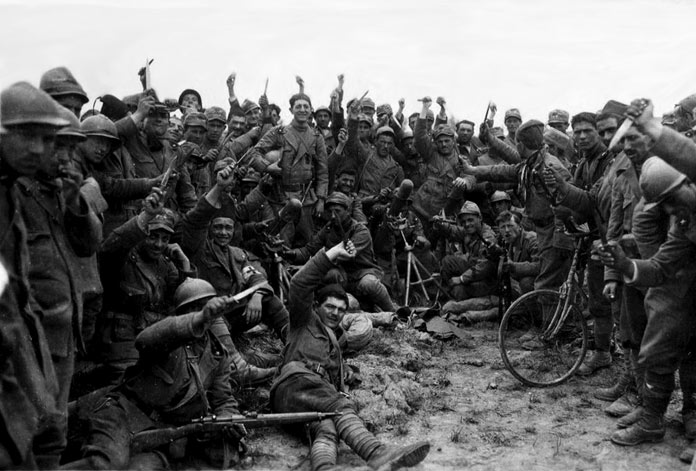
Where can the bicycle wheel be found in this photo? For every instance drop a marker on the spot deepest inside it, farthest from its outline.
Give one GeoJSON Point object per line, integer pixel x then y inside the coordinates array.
{"type": "Point", "coordinates": [533, 356]}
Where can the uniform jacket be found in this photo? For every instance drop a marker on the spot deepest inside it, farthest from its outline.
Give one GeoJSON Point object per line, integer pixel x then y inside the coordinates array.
{"type": "Point", "coordinates": [374, 172]}
{"type": "Point", "coordinates": [230, 270]}
{"type": "Point", "coordinates": [591, 166]}
{"type": "Point", "coordinates": [677, 150]}
{"type": "Point", "coordinates": [303, 162]}
{"type": "Point", "coordinates": [182, 373]}
{"type": "Point", "coordinates": [364, 262]}
{"type": "Point", "coordinates": [524, 253]}
{"type": "Point", "coordinates": [310, 348]}
{"type": "Point", "coordinates": [56, 236]}
{"type": "Point", "coordinates": [473, 250]}
{"type": "Point", "coordinates": [440, 172]}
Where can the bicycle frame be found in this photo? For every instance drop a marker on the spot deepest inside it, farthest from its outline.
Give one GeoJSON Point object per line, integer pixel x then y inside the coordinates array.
{"type": "Point", "coordinates": [567, 292]}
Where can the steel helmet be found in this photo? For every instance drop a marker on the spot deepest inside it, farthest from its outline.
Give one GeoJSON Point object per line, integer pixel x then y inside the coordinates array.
{"type": "Point", "coordinates": [60, 82]}
{"type": "Point", "coordinates": [500, 196]}
{"type": "Point", "coordinates": [100, 125]}
{"type": "Point", "coordinates": [22, 103]}
{"type": "Point", "coordinates": [73, 129]}
{"type": "Point", "coordinates": [469, 207]}
{"type": "Point", "coordinates": [192, 289]}
{"type": "Point", "coordinates": [657, 180]}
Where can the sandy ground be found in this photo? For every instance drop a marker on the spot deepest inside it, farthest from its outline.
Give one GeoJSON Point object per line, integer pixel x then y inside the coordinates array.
{"type": "Point", "coordinates": [458, 395]}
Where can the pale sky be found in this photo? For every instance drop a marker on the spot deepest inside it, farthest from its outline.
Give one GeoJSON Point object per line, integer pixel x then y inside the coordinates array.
{"type": "Point", "coordinates": [534, 55]}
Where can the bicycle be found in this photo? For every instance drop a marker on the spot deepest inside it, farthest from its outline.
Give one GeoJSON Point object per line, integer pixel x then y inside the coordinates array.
{"type": "Point", "coordinates": [543, 335]}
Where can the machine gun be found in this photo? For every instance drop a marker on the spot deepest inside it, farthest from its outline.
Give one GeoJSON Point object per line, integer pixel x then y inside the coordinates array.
{"type": "Point", "coordinates": [151, 439]}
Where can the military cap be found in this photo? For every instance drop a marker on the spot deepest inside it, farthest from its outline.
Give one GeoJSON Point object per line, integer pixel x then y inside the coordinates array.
{"type": "Point", "coordinates": [384, 130]}
{"type": "Point", "coordinates": [131, 101]}
{"type": "Point", "coordinates": [191, 91]}
{"type": "Point", "coordinates": [469, 207]}
{"type": "Point", "coordinates": [499, 196]}
{"type": "Point", "coordinates": [559, 116]}
{"type": "Point", "coordinates": [657, 180]}
{"type": "Point", "coordinates": [72, 129]}
{"type": "Point", "coordinates": [22, 103]}
{"type": "Point", "coordinates": [248, 106]}
{"type": "Point", "coordinates": [385, 108]}
{"type": "Point", "coordinates": [322, 108]}
{"type": "Point", "coordinates": [338, 198]}
{"type": "Point", "coordinates": [513, 113]}
{"type": "Point", "coordinates": [60, 82]}
{"type": "Point", "coordinates": [443, 130]}
{"type": "Point", "coordinates": [163, 221]}
{"type": "Point", "coordinates": [333, 290]}
{"type": "Point", "coordinates": [362, 117]}
{"type": "Point", "coordinates": [556, 137]}
{"type": "Point", "coordinates": [614, 107]}
{"type": "Point", "coordinates": [195, 119]}
{"type": "Point", "coordinates": [368, 102]}
{"type": "Point", "coordinates": [498, 132]}
{"type": "Point", "coordinates": [215, 113]}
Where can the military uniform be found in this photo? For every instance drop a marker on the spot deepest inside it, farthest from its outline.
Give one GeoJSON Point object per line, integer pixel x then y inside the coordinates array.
{"type": "Point", "coordinates": [303, 165]}
{"type": "Point", "coordinates": [183, 374]}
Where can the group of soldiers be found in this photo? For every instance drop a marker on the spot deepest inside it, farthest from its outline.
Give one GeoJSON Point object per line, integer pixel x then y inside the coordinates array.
{"type": "Point", "coordinates": [146, 237]}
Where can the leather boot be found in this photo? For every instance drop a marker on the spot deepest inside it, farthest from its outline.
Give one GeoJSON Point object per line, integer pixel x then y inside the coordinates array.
{"type": "Point", "coordinates": [623, 405]}
{"type": "Point", "coordinates": [324, 451]}
{"type": "Point", "coordinates": [598, 359]}
{"type": "Point", "coordinates": [614, 392]}
{"type": "Point", "coordinates": [651, 426]}
{"type": "Point", "coordinates": [630, 418]}
{"type": "Point", "coordinates": [399, 457]}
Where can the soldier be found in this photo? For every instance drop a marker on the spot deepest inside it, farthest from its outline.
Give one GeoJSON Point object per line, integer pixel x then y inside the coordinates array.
{"type": "Point", "coordinates": [668, 335]}
{"type": "Point", "coordinates": [322, 116]}
{"type": "Point", "coordinates": [553, 249]}
{"type": "Point", "coordinates": [140, 271]}
{"type": "Point", "coordinates": [183, 373]}
{"type": "Point", "coordinates": [470, 272]}
{"type": "Point", "coordinates": [345, 183]}
{"type": "Point", "coordinates": [493, 155]}
{"type": "Point", "coordinates": [190, 101]}
{"type": "Point", "coordinates": [559, 120]}
{"type": "Point", "coordinates": [64, 88]}
{"type": "Point", "coordinates": [143, 136]}
{"type": "Point", "coordinates": [216, 121]}
{"type": "Point", "coordinates": [60, 226]}
{"type": "Point", "coordinates": [303, 163]}
{"type": "Point", "coordinates": [513, 120]}
{"type": "Point", "coordinates": [469, 146]}
{"type": "Point", "coordinates": [443, 165]}
{"type": "Point", "coordinates": [607, 125]}
{"type": "Point", "coordinates": [312, 376]}
{"type": "Point", "coordinates": [195, 129]}
{"type": "Point", "coordinates": [206, 239]}
{"type": "Point", "coordinates": [409, 159]}
{"type": "Point", "coordinates": [522, 252]}
{"type": "Point", "coordinates": [31, 423]}
{"type": "Point", "coordinates": [362, 275]}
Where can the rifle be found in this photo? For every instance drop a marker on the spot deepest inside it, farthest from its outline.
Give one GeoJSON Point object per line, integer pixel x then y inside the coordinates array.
{"type": "Point", "coordinates": [174, 166]}
{"type": "Point", "coordinates": [151, 439]}
{"type": "Point", "coordinates": [504, 285]}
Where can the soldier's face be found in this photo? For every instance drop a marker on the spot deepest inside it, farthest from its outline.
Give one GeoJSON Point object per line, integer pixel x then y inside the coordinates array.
{"type": "Point", "coordinates": [191, 101]}
{"type": "Point", "coordinates": [96, 148]}
{"type": "Point", "coordinates": [237, 126]}
{"type": "Point", "coordinates": [301, 110]}
{"type": "Point", "coordinates": [606, 129]}
{"type": "Point", "coordinates": [636, 146]}
{"type": "Point", "coordinates": [331, 311]}
{"type": "Point", "coordinates": [512, 124]}
{"type": "Point", "coordinates": [384, 144]}
{"type": "Point", "coordinates": [323, 119]}
{"type": "Point", "coordinates": [586, 136]}
{"type": "Point", "coordinates": [510, 230]}
{"type": "Point", "coordinates": [156, 243]}
{"type": "Point", "coordinates": [194, 134]}
{"type": "Point", "coordinates": [554, 150]}
{"type": "Point", "coordinates": [71, 102]}
{"type": "Point", "coordinates": [408, 144]}
{"type": "Point", "coordinates": [345, 183]}
{"type": "Point", "coordinates": [253, 117]}
{"type": "Point", "coordinates": [465, 133]}
{"type": "Point", "coordinates": [444, 144]}
{"type": "Point", "coordinates": [368, 110]}
{"type": "Point", "coordinates": [471, 223]}
{"type": "Point", "coordinates": [341, 213]}
{"type": "Point", "coordinates": [221, 231]}
{"type": "Point", "coordinates": [215, 130]}
{"type": "Point", "coordinates": [175, 131]}
{"type": "Point", "coordinates": [500, 206]}
{"type": "Point", "coordinates": [24, 147]}
{"type": "Point", "coordinates": [412, 123]}
{"type": "Point", "coordinates": [65, 148]}
{"type": "Point", "coordinates": [157, 123]}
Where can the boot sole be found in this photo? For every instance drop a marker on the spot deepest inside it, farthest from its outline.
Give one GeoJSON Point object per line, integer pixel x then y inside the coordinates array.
{"type": "Point", "coordinates": [654, 439]}
{"type": "Point", "coordinates": [409, 458]}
